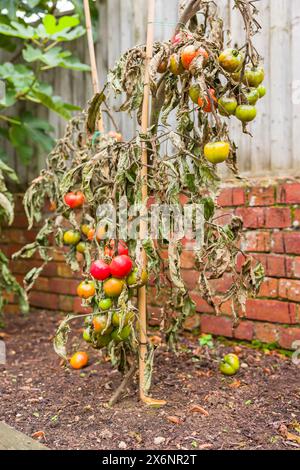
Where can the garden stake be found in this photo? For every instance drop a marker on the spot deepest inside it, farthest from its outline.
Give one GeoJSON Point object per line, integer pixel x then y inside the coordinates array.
{"type": "Point", "coordinates": [142, 298]}
{"type": "Point", "coordinates": [95, 77]}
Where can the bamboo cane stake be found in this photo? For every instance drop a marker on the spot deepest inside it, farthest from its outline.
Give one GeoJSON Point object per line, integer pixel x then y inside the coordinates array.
{"type": "Point", "coordinates": [95, 77]}
{"type": "Point", "coordinates": [142, 298]}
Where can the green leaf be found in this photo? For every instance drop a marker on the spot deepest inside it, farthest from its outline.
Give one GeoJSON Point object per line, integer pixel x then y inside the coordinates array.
{"type": "Point", "coordinates": [52, 26]}
{"type": "Point", "coordinates": [54, 103]}
{"type": "Point", "coordinates": [8, 171]}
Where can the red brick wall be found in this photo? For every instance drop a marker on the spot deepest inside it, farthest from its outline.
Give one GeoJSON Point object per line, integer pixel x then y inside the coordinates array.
{"type": "Point", "coordinates": [271, 213]}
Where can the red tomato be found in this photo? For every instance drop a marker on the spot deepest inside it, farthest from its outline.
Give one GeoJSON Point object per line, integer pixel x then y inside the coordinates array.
{"type": "Point", "coordinates": [74, 200]}
{"type": "Point", "coordinates": [121, 266]}
{"type": "Point", "coordinates": [205, 103]}
{"type": "Point", "coordinates": [100, 270]}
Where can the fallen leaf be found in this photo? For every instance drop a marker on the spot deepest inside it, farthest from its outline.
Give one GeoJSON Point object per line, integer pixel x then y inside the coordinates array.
{"type": "Point", "coordinates": [202, 373]}
{"type": "Point", "coordinates": [174, 419]}
{"type": "Point", "coordinates": [155, 340]}
{"type": "Point", "coordinates": [293, 437]}
{"type": "Point", "coordinates": [39, 435]}
{"type": "Point", "coordinates": [159, 440]}
{"type": "Point", "coordinates": [235, 384]}
{"type": "Point", "coordinates": [199, 409]}
{"type": "Point", "coordinates": [136, 436]}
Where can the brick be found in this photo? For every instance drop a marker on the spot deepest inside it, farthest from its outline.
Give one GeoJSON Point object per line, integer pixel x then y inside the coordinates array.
{"type": "Point", "coordinates": [14, 235]}
{"type": "Point", "coordinates": [187, 259]}
{"type": "Point", "coordinates": [256, 241]}
{"type": "Point", "coordinates": [44, 300]}
{"type": "Point", "coordinates": [261, 196]}
{"type": "Point", "coordinates": [265, 332]}
{"type": "Point", "coordinates": [271, 310]}
{"type": "Point", "coordinates": [277, 243]}
{"type": "Point", "coordinates": [289, 193]}
{"type": "Point", "coordinates": [278, 217]}
{"type": "Point", "coordinates": [292, 243]}
{"type": "Point", "coordinates": [66, 303]}
{"type": "Point", "coordinates": [223, 216]}
{"type": "Point", "coordinates": [223, 284]}
{"type": "Point", "coordinates": [154, 315]}
{"type": "Point", "coordinates": [20, 221]}
{"type": "Point", "coordinates": [292, 267]}
{"type": "Point", "coordinates": [221, 326]}
{"type": "Point", "coordinates": [192, 323]}
{"type": "Point", "coordinates": [63, 286]}
{"type": "Point", "coordinates": [252, 217]}
{"type": "Point", "coordinates": [190, 278]}
{"type": "Point", "coordinates": [296, 218]}
{"type": "Point", "coordinates": [63, 270]}
{"type": "Point", "coordinates": [238, 197]}
{"type": "Point", "coordinates": [225, 197]}
{"type": "Point", "coordinates": [275, 266]}
{"type": "Point", "coordinates": [289, 289]}
{"type": "Point", "coordinates": [201, 305]}
{"type": "Point", "coordinates": [244, 331]}
{"type": "Point", "coordinates": [77, 307]}
{"type": "Point", "coordinates": [288, 336]}
{"type": "Point", "coordinates": [269, 288]}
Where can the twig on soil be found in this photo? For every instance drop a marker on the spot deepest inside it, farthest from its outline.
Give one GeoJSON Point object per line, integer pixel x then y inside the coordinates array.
{"type": "Point", "coordinates": [123, 385]}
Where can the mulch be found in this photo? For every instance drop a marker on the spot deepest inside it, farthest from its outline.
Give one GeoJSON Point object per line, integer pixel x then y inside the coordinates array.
{"type": "Point", "coordinates": [259, 408]}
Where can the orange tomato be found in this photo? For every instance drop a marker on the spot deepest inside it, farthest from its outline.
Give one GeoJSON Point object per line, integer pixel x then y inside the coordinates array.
{"type": "Point", "coordinates": [79, 360]}
{"type": "Point", "coordinates": [113, 287]}
{"type": "Point", "coordinates": [115, 135]}
{"type": "Point", "coordinates": [86, 289]}
{"type": "Point", "coordinates": [189, 53]}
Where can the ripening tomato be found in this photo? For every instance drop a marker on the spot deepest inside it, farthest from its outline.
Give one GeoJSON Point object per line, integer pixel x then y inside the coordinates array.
{"type": "Point", "coordinates": [79, 360]}
{"type": "Point", "coordinates": [105, 304]}
{"type": "Point", "coordinates": [163, 66]}
{"type": "Point", "coordinates": [121, 266]}
{"type": "Point", "coordinates": [230, 364]}
{"type": "Point", "coordinates": [74, 200]}
{"type": "Point", "coordinates": [117, 318]}
{"type": "Point", "coordinates": [85, 228]}
{"type": "Point", "coordinates": [100, 324]}
{"type": "Point", "coordinates": [91, 234]}
{"type": "Point", "coordinates": [100, 233]}
{"type": "Point", "coordinates": [134, 279]}
{"type": "Point", "coordinates": [119, 336]}
{"type": "Point", "coordinates": [262, 91]}
{"type": "Point", "coordinates": [253, 76]}
{"type": "Point", "coordinates": [205, 103]}
{"type": "Point", "coordinates": [86, 289]}
{"type": "Point", "coordinates": [246, 112]}
{"type": "Point", "coordinates": [180, 37]}
{"type": "Point", "coordinates": [113, 287]}
{"type": "Point", "coordinates": [71, 237]}
{"type": "Point", "coordinates": [189, 53]}
{"type": "Point", "coordinates": [217, 152]}
{"type": "Point", "coordinates": [252, 96]}
{"type": "Point", "coordinates": [115, 135]}
{"type": "Point", "coordinates": [231, 60]}
{"type": "Point", "coordinates": [227, 105]}
{"type": "Point", "coordinates": [194, 93]}
{"type": "Point", "coordinates": [100, 270]}
{"type": "Point", "coordinates": [109, 249]}
{"type": "Point", "coordinates": [175, 66]}
{"type": "Point", "coordinates": [80, 248]}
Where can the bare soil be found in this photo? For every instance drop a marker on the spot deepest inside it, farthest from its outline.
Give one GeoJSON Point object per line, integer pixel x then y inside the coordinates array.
{"type": "Point", "coordinates": [259, 408]}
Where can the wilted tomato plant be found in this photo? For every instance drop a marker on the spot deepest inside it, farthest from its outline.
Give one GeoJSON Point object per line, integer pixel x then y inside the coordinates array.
{"type": "Point", "coordinates": [204, 84]}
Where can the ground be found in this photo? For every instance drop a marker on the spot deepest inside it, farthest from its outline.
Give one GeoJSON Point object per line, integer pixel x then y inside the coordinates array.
{"type": "Point", "coordinates": [66, 409]}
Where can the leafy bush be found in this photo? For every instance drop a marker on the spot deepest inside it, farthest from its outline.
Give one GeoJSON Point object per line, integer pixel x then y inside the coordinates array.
{"type": "Point", "coordinates": [33, 35]}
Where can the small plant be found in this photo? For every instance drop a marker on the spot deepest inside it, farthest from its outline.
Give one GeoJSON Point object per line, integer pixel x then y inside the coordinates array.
{"type": "Point", "coordinates": [206, 340]}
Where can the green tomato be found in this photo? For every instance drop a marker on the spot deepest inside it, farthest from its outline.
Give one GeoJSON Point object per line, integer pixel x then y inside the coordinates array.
{"type": "Point", "coordinates": [123, 335]}
{"type": "Point", "coordinates": [86, 335]}
{"type": "Point", "coordinates": [105, 304]}
{"type": "Point", "coordinates": [246, 113]}
{"type": "Point", "coordinates": [134, 279]}
{"type": "Point", "coordinates": [254, 76]}
{"type": "Point", "coordinates": [116, 318]}
{"type": "Point", "coordinates": [194, 93]}
{"type": "Point", "coordinates": [71, 237]}
{"type": "Point", "coordinates": [262, 91]}
{"type": "Point", "coordinates": [80, 248]}
{"type": "Point", "coordinates": [101, 341]}
{"type": "Point", "coordinates": [231, 60]}
{"type": "Point", "coordinates": [252, 96]}
{"type": "Point", "coordinates": [227, 105]}
{"type": "Point", "coordinates": [230, 364]}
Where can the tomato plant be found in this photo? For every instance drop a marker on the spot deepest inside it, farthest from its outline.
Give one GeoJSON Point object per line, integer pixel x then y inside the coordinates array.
{"type": "Point", "coordinates": [202, 87]}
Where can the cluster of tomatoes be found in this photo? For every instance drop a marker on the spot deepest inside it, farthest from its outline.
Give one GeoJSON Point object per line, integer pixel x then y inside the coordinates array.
{"type": "Point", "coordinates": [239, 101]}
{"type": "Point", "coordinates": [108, 278]}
